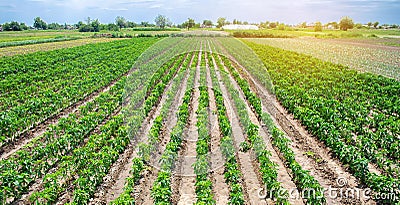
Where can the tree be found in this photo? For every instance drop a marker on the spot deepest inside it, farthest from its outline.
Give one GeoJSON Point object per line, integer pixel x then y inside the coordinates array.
{"type": "Point", "coordinates": [79, 25]}
{"type": "Point", "coordinates": [88, 20]}
{"type": "Point", "coordinates": [131, 24]}
{"type": "Point", "coordinates": [272, 25]}
{"type": "Point", "coordinates": [235, 21]}
{"type": "Point", "coordinates": [96, 25]}
{"type": "Point", "coordinates": [162, 21]}
{"type": "Point", "coordinates": [190, 23]}
{"type": "Point", "coordinates": [318, 27]}
{"type": "Point", "coordinates": [112, 27]}
{"type": "Point", "coordinates": [346, 23]}
{"type": "Point", "coordinates": [39, 24]}
{"type": "Point", "coordinates": [369, 24]}
{"type": "Point", "coordinates": [221, 22]}
{"type": "Point", "coordinates": [334, 24]}
{"type": "Point", "coordinates": [120, 22]}
{"type": "Point", "coordinates": [358, 26]}
{"type": "Point", "coordinates": [304, 25]}
{"type": "Point", "coordinates": [281, 26]}
{"type": "Point", "coordinates": [207, 23]}
{"type": "Point", "coordinates": [376, 24]}
{"type": "Point", "coordinates": [144, 23]}
{"type": "Point", "coordinates": [23, 26]}
{"type": "Point", "coordinates": [14, 26]}
{"type": "Point", "coordinates": [54, 26]}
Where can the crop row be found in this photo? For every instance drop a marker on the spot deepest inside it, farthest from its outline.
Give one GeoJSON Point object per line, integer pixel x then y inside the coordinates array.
{"type": "Point", "coordinates": [35, 159]}
{"type": "Point", "coordinates": [203, 184]}
{"type": "Point", "coordinates": [344, 115]}
{"type": "Point", "coordinates": [29, 42]}
{"type": "Point", "coordinates": [145, 150]}
{"type": "Point", "coordinates": [302, 178]}
{"type": "Point", "coordinates": [90, 176]}
{"type": "Point", "coordinates": [268, 168]}
{"type": "Point", "coordinates": [161, 191]}
{"type": "Point", "coordinates": [59, 83]}
{"type": "Point", "coordinates": [201, 167]}
{"type": "Point", "coordinates": [26, 49]}
{"type": "Point", "coordinates": [232, 173]}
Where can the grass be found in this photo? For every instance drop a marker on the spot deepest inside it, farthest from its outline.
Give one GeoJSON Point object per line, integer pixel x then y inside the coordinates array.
{"type": "Point", "coordinates": [10, 36]}
{"type": "Point", "coordinates": [298, 32]}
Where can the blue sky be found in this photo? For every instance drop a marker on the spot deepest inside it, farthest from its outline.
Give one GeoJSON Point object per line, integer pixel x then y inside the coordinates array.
{"type": "Point", "coordinates": [288, 11]}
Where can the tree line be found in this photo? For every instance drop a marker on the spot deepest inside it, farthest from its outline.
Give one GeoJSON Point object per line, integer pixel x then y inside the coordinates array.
{"type": "Point", "coordinates": [163, 22]}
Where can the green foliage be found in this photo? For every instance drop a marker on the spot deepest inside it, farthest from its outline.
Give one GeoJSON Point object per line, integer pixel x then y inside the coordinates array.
{"type": "Point", "coordinates": [66, 76]}
{"type": "Point", "coordinates": [221, 22]}
{"type": "Point", "coordinates": [120, 22]}
{"type": "Point", "coordinates": [340, 114]}
{"type": "Point", "coordinates": [39, 24]}
{"type": "Point", "coordinates": [14, 26]}
{"type": "Point", "coordinates": [318, 27]}
{"type": "Point", "coordinates": [346, 23]}
{"type": "Point", "coordinates": [162, 21]}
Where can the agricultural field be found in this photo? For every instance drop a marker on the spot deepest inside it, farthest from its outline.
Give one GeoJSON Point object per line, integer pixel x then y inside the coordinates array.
{"type": "Point", "coordinates": [48, 46]}
{"type": "Point", "coordinates": [194, 120]}
{"type": "Point", "coordinates": [360, 55]}
{"type": "Point", "coordinates": [12, 36]}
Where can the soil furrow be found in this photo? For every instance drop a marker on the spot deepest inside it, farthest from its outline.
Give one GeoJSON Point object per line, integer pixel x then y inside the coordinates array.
{"type": "Point", "coordinates": [187, 155]}
{"type": "Point", "coordinates": [142, 190]}
{"type": "Point", "coordinates": [283, 173]}
{"type": "Point", "coordinates": [28, 135]}
{"type": "Point", "coordinates": [251, 183]}
{"type": "Point", "coordinates": [38, 184]}
{"type": "Point", "coordinates": [114, 182]}
{"type": "Point", "coordinates": [220, 188]}
{"type": "Point", "coordinates": [311, 154]}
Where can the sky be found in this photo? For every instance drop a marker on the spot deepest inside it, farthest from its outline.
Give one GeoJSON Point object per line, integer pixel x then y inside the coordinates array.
{"type": "Point", "coordinates": [178, 11]}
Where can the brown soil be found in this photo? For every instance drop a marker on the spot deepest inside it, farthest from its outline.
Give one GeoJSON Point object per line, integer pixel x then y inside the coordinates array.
{"type": "Point", "coordinates": [184, 191]}
{"type": "Point", "coordinates": [38, 184]}
{"type": "Point", "coordinates": [251, 183]}
{"type": "Point", "coordinates": [311, 154]}
{"type": "Point", "coordinates": [114, 182]}
{"type": "Point", "coordinates": [39, 129]}
{"type": "Point", "coordinates": [142, 191]}
{"type": "Point", "coordinates": [220, 188]}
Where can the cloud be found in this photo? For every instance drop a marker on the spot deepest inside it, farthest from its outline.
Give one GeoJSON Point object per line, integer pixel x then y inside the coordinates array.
{"type": "Point", "coordinates": [8, 6]}
{"type": "Point", "coordinates": [155, 6]}
{"type": "Point", "coordinates": [287, 11]}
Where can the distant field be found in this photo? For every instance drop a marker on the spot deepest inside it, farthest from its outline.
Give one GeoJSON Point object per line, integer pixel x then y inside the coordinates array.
{"type": "Point", "coordinates": [291, 33]}
{"type": "Point", "coordinates": [360, 55]}
{"type": "Point", "coordinates": [13, 36]}
{"type": "Point", "coordinates": [17, 50]}
{"type": "Point", "coordinates": [9, 36]}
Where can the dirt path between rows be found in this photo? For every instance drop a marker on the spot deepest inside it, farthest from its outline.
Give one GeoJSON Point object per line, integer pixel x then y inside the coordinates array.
{"type": "Point", "coordinates": [187, 155]}
{"type": "Point", "coordinates": [143, 189]}
{"type": "Point", "coordinates": [220, 187]}
{"type": "Point", "coordinates": [283, 173]}
{"type": "Point", "coordinates": [38, 184]}
{"type": "Point", "coordinates": [310, 153]}
{"type": "Point", "coordinates": [251, 183]}
{"type": "Point", "coordinates": [114, 182]}
{"type": "Point", "coordinates": [37, 130]}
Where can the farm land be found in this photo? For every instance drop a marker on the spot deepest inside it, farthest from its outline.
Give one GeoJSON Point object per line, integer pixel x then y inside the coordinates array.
{"type": "Point", "coordinates": [199, 119]}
